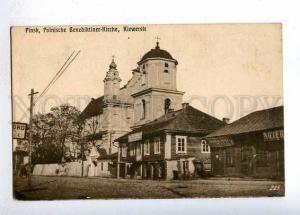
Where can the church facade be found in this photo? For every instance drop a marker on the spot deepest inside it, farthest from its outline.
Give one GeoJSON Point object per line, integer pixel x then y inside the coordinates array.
{"type": "Point", "coordinates": [150, 93]}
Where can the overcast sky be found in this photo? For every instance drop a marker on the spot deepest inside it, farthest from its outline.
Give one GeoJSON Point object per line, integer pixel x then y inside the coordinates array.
{"type": "Point", "coordinates": [225, 70]}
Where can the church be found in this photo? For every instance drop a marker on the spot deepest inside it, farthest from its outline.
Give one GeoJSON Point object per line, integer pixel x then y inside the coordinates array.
{"type": "Point", "coordinates": [149, 97]}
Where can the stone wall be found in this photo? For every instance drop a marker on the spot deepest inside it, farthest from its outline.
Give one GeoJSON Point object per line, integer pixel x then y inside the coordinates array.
{"type": "Point", "coordinates": [103, 169]}
{"type": "Point", "coordinates": [67, 169]}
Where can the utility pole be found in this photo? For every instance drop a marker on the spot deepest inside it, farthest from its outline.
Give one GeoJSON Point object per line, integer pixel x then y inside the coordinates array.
{"type": "Point", "coordinates": [32, 93]}
{"type": "Point", "coordinates": [81, 141]}
{"type": "Point", "coordinates": [118, 162]}
{"type": "Point", "coordinates": [82, 164]}
{"type": "Point", "coordinates": [82, 152]}
{"type": "Point", "coordinates": [118, 159]}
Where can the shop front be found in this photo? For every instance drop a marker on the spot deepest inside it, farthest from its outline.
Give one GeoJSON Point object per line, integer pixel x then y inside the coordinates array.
{"type": "Point", "coordinates": [250, 147]}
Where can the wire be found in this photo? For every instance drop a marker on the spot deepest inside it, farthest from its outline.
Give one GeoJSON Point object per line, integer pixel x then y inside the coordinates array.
{"type": "Point", "coordinates": [66, 67]}
{"type": "Point", "coordinates": [55, 76]}
{"type": "Point", "coordinates": [58, 74]}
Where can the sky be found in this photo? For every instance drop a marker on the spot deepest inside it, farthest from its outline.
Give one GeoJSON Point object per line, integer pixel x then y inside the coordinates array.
{"type": "Point", "coordinates": [226, 70]}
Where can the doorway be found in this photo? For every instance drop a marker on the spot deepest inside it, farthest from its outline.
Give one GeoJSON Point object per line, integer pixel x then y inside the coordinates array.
{"type": "Point", "coordinates": [122, 170]}
{"type": "Point", "coordinates": [186, 171]}
{"type": "Point", "coordinates": [218, 163]}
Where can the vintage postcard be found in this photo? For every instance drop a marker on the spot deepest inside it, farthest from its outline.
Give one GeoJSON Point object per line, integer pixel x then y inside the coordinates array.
{"type": "Point", "coordinates": [147, 111]}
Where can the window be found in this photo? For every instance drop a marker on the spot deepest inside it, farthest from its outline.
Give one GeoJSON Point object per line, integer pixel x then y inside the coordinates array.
{"type": "Point", "coordinates": [167, 105]}
{"type": "Point", "coordinates": [230, 156]}
{"type": "Point", "coordinates": [138, 149]}
{"type": "Point", "coordinates": [157, 145]}
{"type": "Point", "coordinates": [261, 155]}
{"type": "Point", "coordinates": [166, 71]}
{"type": "Point", "coordinates": [146, 147]}
{"type": "Point", "coordinates": [181, 144]}
{"type": "Point", "coordinates": [166, 65]}
{"type": "Point", "coordinates": [246, 153]}
{"type": "Point", "coordinates": [144, 66]}
{"type": "Point", "coordinates": [143, 77]}
{"type": "Point", "coordinates": [143, 116]}
{"type": "Point", "coordinates": [261, 158]}
{"type": "Point", "coordinates": [124, 151]}
{"type": "Point", "coordinates": [132, 149]}
{"type": "Point", "coordinates": [101, 166]}
{"type": "Point", "coordinates": [205, 147]}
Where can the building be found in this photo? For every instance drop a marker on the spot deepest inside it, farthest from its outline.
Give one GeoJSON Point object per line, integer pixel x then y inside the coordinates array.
{"type": "Point", "coordinates": [251, 146]}
{"type": "Point", "coordinates": [20, 156]}
{"type": "Point", "coordinates": [149, 94]}
{"type": "Point", "coordinates": [168, 147]}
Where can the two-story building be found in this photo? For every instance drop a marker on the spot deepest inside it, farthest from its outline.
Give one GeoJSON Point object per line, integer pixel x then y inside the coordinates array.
{"type": "Point", "coordinates": [168, 147]}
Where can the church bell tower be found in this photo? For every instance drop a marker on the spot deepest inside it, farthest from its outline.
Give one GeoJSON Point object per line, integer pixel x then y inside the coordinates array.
{"type": "Point", "coordinates": [112, 81]}
{"type": "Point", "coordinates": [158, 92]}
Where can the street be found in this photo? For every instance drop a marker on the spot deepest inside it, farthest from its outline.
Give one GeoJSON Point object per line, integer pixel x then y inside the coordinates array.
{"type": "Point", "coordinates": [55, 188]}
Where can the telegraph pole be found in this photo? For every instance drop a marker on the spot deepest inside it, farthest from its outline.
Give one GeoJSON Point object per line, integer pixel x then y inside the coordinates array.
{"type": "Point", "coordinates": [32, 93]}
{"type": "Point", "coordinates": [118, 162]}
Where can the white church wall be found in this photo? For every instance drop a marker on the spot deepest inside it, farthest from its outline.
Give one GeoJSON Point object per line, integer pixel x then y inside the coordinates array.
{"type": "Point", "coordinates": [157, 77]}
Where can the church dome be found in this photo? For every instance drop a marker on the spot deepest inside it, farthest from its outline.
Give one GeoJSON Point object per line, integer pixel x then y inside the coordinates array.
{"type": "Point", "coordinates": [157, 53]}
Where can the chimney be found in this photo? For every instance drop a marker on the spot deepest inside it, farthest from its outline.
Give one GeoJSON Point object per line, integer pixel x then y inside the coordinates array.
{"type": "Point", "coordinates": [185, 105]}
{"type": "Point", "coordinates": [226, 120]}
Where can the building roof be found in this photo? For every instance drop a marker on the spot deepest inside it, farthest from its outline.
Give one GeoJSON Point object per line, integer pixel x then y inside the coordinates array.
{"type": "Point", "coordinates": [256, 121]}
{"type": "Point", "coordinates": [95, 107]}
{"type": "Point", "coordinates": [187, 120]}
{"type": "Point", "coordinates": [157, 53]}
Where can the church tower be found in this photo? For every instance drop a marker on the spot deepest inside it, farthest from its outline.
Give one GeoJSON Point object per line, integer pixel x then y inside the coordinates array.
{"type": "Point", "coordinates": [158, 92]}
{"type": "Point", "coordinates": [159, 69]}
{"type": "Point", "coordinates": [112, 81]}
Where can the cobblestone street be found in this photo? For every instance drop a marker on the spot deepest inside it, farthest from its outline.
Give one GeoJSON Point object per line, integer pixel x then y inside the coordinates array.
{"type": "Point", "coordinates": [51, 188]}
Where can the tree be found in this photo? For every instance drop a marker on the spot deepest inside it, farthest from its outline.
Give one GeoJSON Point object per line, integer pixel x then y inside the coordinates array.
{"type": "Point", "coordinates": [64, 119]}
{"type": "Point", "coordinates": [92, 132]}
{"type": "Point", "coordinates": [50, 132]}
{"type": "Point", "coordinates": [93, 129]}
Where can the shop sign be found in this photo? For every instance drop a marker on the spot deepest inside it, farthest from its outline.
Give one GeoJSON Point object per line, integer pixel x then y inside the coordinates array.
{"type": "Point", "coordinates": [135, 137]}
{"type": "Point", "coordinates": [220, 141]}
{"type": "Point", "coordinates": [274, 135]}
{"type": "Point", "coordinates": [18, 130]}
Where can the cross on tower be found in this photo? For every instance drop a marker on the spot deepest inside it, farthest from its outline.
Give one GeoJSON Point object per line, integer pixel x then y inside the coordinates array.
{"type": "Point", "coordinates": [157, 43]}
{"type": "Point", "coordinates": [113, 57]}
{"type": "Point", "coordinates": [157, 38]}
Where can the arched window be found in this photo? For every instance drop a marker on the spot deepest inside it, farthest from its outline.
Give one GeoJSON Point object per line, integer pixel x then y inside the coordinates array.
{"type": "Point", "coordinates": [143, 109]}
{"type": "Point", "coordinates": [166, 71]}
{"type": "Point", "coordinates": [167, 105]}
{"type": "Point", "coordinates": [205, 147]}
